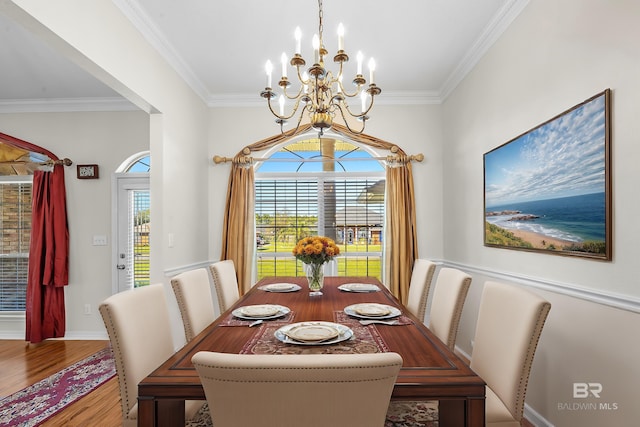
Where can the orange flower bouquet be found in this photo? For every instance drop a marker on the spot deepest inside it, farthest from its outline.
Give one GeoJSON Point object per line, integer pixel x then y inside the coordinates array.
{"type": "Point", "coordinates": [314, 252]}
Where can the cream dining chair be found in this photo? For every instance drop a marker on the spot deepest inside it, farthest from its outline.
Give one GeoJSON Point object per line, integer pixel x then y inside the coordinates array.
{"type": "Point", "coordinates": [421, 277]}
{"type": "Point", "coordinates": [509, 325]}
{"type": "Point", "coordinates": [225, 282]}
{"type": "Point", "coordinates": [193, 295]}
{"type": "Point", "coordinates": [449, 294]}
{"type": "Point", "coordinates": [310, 390]}
{"type": "Point", "coordinates": [138, 325]}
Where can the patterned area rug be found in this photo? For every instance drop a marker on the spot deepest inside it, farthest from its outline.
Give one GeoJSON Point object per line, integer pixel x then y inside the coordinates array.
{"type": "Point", "coordinates": [412, 414]}
{"type": "Point", "coordinates": [32, 405]}
{"type": "Point", "coordinates": [400, 414]}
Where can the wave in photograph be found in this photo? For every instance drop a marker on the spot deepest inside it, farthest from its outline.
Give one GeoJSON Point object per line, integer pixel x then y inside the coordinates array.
{"type": "Point", "coordinates": [574, 219]}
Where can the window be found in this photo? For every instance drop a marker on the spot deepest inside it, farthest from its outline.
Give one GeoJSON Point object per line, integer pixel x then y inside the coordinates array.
{"type": "Point", "coordinates": [15, 229]}
{"type": "Point", "coordinates": [299, 193]}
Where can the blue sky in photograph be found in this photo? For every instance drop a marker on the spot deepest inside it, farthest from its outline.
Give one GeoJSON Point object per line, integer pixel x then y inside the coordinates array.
{"type": "Point", "coordinates": [565, 157]}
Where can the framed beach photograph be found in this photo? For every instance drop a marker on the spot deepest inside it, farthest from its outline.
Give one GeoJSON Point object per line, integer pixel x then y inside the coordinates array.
{"type": "Point", "coordinates": [549, 189]}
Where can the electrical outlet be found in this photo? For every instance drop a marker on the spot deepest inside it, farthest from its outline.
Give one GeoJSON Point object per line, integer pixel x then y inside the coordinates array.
{"type": "Point", "coordinates": [87, 309]}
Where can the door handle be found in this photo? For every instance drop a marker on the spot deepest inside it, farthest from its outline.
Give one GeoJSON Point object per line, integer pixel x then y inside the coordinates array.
{"type": "Point", "coordinates": [121, 266]}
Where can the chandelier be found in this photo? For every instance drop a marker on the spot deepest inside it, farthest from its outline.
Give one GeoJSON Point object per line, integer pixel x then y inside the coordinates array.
{"type": "Point", "coordinates": [321, 94]}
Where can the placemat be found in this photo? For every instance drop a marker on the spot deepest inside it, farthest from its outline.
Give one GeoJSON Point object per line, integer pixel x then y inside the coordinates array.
{"type": "Point", "coordinates": [365, 340]}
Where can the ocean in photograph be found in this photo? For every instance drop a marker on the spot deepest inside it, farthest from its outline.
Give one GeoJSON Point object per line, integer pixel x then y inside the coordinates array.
{"type": "Point", "coordinates": [577, 218]}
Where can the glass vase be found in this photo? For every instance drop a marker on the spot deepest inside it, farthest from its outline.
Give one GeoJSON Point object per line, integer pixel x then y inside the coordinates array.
{"type": "Point", "coordinates": [315, 277]}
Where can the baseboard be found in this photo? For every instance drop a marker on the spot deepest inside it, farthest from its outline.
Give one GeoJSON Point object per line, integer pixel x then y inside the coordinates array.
{"type": "Point", "coordinates": [535, 418]}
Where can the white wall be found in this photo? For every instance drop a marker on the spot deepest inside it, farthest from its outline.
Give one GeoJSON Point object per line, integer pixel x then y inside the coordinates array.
{"type": "Point", "coordinates": [106, 139]}
{"type": "Point", "coordinates": [555, 55]}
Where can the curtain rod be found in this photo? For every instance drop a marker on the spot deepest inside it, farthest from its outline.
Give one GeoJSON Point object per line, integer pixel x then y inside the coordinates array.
{"type": "Point", "coordinates": [248, 159]}
{"type": "Point", "coordinates": [65, 162]}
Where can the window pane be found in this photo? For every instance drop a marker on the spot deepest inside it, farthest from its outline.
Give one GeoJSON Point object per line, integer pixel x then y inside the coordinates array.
{"type": "Point", "coordinates": [343, 209]}
{"type": "Point", "coordinates": [15, 229]}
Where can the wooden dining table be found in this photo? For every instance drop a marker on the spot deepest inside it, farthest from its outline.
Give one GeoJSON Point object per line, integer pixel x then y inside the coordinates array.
{"type": "Point", "coordinates": [430, 370]}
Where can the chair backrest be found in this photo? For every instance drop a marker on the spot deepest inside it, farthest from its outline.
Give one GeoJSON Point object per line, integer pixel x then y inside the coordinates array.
{"type": "Point", "coordinates": [193, 294]}
{"type": "Point", "coordinates": [510, 322]}
{"type": "Point", "coordinates": [421, 277]}
{"type": "Point", "coordinates": [311, 390]}
{"type": "Point", "coordinates": [139, 329]}
{"type": "Point", "coordinates": [225, 282]}
{"type": "Point", "coordinates": [448, 299]}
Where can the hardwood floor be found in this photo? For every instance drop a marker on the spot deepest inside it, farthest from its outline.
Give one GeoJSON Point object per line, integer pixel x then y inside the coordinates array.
{"type": "Point", "coordinates": [23, 364]}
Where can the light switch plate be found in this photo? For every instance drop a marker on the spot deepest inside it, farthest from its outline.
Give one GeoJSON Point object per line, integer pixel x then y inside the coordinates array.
{"type": "Point", "coordinates": [99, 240]}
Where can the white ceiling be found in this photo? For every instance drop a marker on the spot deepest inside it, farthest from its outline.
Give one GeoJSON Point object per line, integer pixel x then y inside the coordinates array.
{"type": "Point", "coordinates": [423, 48]}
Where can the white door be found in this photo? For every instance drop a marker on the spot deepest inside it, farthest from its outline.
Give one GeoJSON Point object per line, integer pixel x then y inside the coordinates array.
{"type": "Point", "coordinates": [131, 235]}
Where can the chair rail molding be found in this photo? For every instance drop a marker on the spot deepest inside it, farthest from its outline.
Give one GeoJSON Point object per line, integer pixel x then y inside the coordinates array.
{"type": "Point", "coordinates": [623, 302]}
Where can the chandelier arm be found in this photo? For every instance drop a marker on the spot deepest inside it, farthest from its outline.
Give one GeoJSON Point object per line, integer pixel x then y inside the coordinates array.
{"type": "Point", "coordinates": [355, 116]}
{"type": "Point", "coordinates": [350, 95]}
{"type": "Point", "coordinates": [346, 122]}
{"type": "Point", "coordinates": [297, 124]}
{"type": "Point", "coordinates": [303, 81]}
{"type": "Point", "coordinates": [297, 96]}
{"type": "Point", "coordinates": [295, 109]}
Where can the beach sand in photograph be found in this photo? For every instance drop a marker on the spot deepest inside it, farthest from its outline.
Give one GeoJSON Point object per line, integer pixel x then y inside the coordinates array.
{"type": "Point", "coordinates": [537, 239]}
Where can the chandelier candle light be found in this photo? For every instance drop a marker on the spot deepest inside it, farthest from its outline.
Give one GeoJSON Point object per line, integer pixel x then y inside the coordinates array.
{"type": "Point", "coordinates": [321, 92]}
{"type": "Point", "coordinates": [314, 252]}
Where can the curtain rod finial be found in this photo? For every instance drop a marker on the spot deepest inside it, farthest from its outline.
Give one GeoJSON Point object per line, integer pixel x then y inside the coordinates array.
{"type": "Point", "coordinates": [219, 159]}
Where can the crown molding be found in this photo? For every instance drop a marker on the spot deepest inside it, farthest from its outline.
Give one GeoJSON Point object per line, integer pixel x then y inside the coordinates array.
{"type": "Point", "coordinates": [492, 32]}
{"type": "Point", "coordinates": [143, 23]}
{"type": "Point", "coordinates": [65, 105]}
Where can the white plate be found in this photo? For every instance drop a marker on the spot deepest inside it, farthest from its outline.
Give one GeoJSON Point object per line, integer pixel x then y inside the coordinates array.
{"type": "Point", "coordinates": [281, 287]}
{"type": "Point", "coordinates": [262, 311]}
{"type": "Point", "coordinates": [359, 287]}
{"type": "Point", "coordinates": [312, 332]}
{"type": "Point", "coordinates": [358, 310]}
{"type": "Point", "coordinates": [344, 333]}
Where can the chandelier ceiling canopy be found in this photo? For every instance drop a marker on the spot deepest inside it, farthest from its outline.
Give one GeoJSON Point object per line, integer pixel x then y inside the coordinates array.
{"type": "Point", "coordinates": [320, 92]}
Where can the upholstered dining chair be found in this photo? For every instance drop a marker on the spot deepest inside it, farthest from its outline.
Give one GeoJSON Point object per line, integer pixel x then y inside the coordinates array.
{"type": "Point", "coordinates": [421, 277]}
{"type": "Point", "coordinates": [138, 325]}
{"type": "Point", "coordinates": [311, 390]}
{"type": "Point", "coordinates": [509, 325]}
{"type": "Point", "coordinates": [225, 282]}
{"type": "Point", "coordinates": [449, 294]}
{"type": "Point", "coordinates": [193, 294]}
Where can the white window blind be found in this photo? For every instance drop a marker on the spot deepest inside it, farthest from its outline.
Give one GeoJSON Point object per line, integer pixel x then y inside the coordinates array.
{"type": "Point", "coordinates": [340, 207]}
{"type": "Point", "coordinates": [15, 231]}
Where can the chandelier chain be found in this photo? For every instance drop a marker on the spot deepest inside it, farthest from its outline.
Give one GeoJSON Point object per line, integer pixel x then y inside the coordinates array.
{"type": "Point", "coordinates": [320, 27]}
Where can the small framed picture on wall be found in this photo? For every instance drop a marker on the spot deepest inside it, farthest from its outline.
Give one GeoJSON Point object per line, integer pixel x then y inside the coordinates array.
{"type": "Point", "coordinates": [88, 172]}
